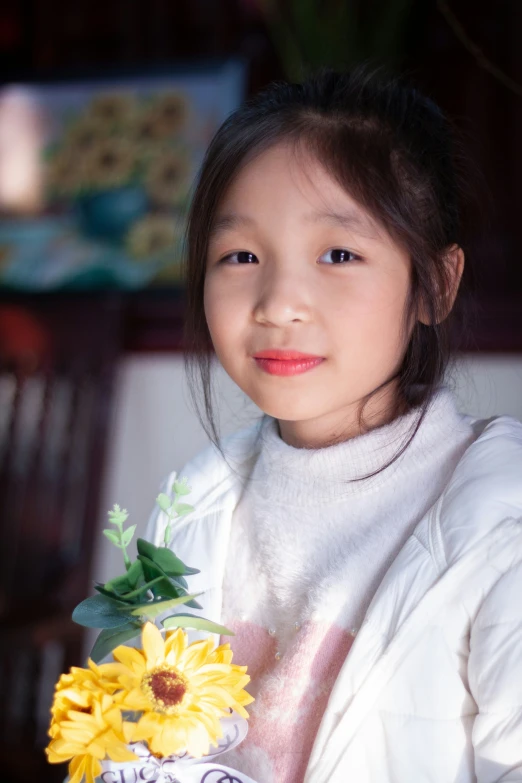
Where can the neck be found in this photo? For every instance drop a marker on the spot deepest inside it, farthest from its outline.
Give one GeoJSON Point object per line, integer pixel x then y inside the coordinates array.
{"type": "Point", "coordinates": [343, 424]}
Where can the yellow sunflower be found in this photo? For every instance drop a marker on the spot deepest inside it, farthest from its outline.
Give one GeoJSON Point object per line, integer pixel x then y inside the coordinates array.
{"type": "Point", "coordinates": [86, 737]}
{"type": "Point", "coordinates": [181, 690]}
{"type": "Point", "coordinates": [78, 690]}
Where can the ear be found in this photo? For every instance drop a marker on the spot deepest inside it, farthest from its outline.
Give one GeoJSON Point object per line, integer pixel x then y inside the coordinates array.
{"type": "Point", "coordinates": [454, 259]}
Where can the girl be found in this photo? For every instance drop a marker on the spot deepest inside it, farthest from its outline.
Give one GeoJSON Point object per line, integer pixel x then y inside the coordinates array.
{"type": "Point", "coordinates": [363, 539]}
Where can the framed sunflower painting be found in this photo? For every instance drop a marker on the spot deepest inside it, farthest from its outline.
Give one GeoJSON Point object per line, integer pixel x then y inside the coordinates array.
{"type": "Point", "coordinates": [96, 176]}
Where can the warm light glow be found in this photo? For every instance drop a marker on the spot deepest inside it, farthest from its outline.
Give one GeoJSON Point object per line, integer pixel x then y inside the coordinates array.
{"type": "Point", "coordinates": [21, 186]}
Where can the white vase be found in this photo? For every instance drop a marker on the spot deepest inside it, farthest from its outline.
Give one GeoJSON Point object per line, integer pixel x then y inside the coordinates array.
{"type": "Point", "coordinates": [180, 769]}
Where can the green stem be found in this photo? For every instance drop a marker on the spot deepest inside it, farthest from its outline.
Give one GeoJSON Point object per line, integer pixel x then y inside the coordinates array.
{"type": "Point", "coordinates": [166, 537]}
{"type": "Point", "coordinates": [144, 587]}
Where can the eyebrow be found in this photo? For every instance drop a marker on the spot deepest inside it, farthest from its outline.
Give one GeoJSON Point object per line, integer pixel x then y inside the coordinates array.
{"type": "Point", "coordinates": [350, 220]}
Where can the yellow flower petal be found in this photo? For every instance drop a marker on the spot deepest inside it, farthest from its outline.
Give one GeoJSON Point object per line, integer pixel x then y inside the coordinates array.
{"type": "Point", "coordinates": [77, 769]}
{"type": "Point", "coordinates": [93, 768]}
{"type": "Point", "coordinates": [131, 658]}
{"type": "Point", "coordinates": [153, 645]}
{"type": "Point", "coordinates": [175, 644]}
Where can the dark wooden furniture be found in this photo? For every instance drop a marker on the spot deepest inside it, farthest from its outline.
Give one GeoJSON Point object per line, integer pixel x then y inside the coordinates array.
{"type": "Point", "coordinates": [58, 357]}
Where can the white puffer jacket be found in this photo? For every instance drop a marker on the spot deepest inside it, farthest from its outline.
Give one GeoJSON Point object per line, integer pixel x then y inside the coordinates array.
{"type": "Point", "coordinates": [431, 691]}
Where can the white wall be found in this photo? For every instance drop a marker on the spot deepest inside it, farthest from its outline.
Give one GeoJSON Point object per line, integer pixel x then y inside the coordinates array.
{"type": "Point", "coordinates": [154, 429]}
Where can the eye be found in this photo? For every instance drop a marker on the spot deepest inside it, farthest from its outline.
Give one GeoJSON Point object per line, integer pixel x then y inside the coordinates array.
{"type": "Point", "coordinates": [341, 256]}
{"type": "Point", "coordinates": [242, 256]}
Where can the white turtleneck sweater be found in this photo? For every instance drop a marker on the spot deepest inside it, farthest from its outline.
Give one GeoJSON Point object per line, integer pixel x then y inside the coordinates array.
{"type": "Point", "coordinates": [308, 550]}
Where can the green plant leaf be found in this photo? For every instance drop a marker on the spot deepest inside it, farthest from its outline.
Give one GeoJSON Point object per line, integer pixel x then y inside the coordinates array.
{"type": "Point", "coordinates": [154, 608]}
{"type": "Point", "coordinates": [179, 580]}
{"type": "Point", "coordinates": [117, 516]}
{"type": "Point", "coordinates": [143, 587]}
{"type": "Point", "coordinates": [130, 597]}
{"type": "Point", "coordinates": [112, 536]}
{"type": "Point", "coordinates": [198, 623]}
{"type": "Point", "coordinates": [164, 558]}
{"type": "Point", "coordinates": [181, 487]}
{"type": "Point", "coordinates": [128, 581]}
{"type": "Point", "coordinates": [101, 589]}
{"type": "Point", "coordinates": [183, 508]}
{"type": "Point", "coordinates": [110, 638]}
{"type": "Point", "coordinates": [168, 586]}
{"type": "Point", "coordinates": [100, 611]}
{"type": "Point", "coordinates": [126, 537]}
{"type": "Point", "coordinates": [150, 569]}
{"type": "Point", "coordinates": [163, 501]}
{"type": "Point", "coordinates": [134, 574]}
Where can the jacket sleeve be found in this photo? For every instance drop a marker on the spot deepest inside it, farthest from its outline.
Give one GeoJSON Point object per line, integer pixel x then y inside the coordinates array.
{"type": "Point", "coordinates": [495, 681]}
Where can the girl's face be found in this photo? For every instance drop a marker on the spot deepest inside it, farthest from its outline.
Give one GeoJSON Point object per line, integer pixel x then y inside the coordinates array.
{"type": "Point", "coordinates": [295, 263]}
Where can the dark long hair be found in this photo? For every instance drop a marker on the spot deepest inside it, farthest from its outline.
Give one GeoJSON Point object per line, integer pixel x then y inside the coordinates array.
{"type": "Point", "coordinates": [393, 151]}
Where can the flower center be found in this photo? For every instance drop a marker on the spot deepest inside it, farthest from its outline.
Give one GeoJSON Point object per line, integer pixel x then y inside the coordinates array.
{"type": "Point", "coordinates": [166, 687]}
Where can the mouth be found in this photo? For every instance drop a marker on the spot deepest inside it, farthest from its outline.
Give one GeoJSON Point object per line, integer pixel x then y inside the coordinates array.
{"type": "Point", "coordinates": [286, 355]}
{"type": "Point", "coordinates": [287, 362]}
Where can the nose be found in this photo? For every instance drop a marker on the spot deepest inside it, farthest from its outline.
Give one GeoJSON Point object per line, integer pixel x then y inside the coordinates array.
{"type": "Point", "coordinates": [283, 296]}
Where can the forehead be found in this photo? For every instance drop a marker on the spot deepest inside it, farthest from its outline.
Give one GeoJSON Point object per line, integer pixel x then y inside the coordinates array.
{"type": "Point", "coordinates": [285, 179]}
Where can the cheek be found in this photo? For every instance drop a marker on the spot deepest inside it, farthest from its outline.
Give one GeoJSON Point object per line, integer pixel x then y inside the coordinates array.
{"type": "Point", "coordinates": [223, 313]}
{"type": "Point", "coordinates": [367, 320]}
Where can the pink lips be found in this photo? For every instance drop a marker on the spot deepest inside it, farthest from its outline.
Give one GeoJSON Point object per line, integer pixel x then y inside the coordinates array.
{"type": "Point", "coordinates": [286, 362]}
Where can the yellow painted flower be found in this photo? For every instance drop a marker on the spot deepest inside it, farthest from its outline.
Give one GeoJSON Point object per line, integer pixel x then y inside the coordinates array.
{"type": "Point", "coordinates": [181, 690]}
{"type": "Point", "coordinates": [167, 178]}
{"type": "Point", "coordinates": [85, 737]}
{"type": "Point", "coordinates": [152, 235]}
{"type": "Point", "coordinates": [164, 118]}
{"type": "Point", "coordinates": [83, 135]}
{"type": "Point", "coordinates": [111, 108]}
{"type": "Point", "coordinates": [110, 163]}
{"type": "Point", "coordinates": [170, 110]}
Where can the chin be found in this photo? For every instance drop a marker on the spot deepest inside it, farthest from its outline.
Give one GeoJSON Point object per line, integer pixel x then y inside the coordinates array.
{"type": "Point", "coordinates": [293, 410]}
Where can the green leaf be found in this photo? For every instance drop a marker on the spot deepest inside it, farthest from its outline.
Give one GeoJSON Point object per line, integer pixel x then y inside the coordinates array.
{"type": "Point", "coordinates": [165, 586]}
{"type": "Point", "coordinates": [127, 581]}
{"type": "Point", "coordinates": [154, 608]}
{"type": "Point", "coordinates": [163, 502]}
{"type": "Point", "coordinates": [112, 536]}
{"type": "Point", "coordinates": [100, 611]}
{"type": "Point", "coordinates": [164, 558]}
{"type": "Point", "coordinates": [150, 569]}
{"type": "Point", "coordinates": [168, 586]}
{"type": "Point", "coordinates": [118, 515]}
{"type": "Point", "coordinates": [127, 535]}
{"type": "Point", "coordinates": [110, 638]}
{"type": "Point", "coordinates": [130, 597]}
{"type": "Point", "coordinates": [183, 508]}
{"type": "Point", "coordinates": [179, 580]}
{"type": "Point", "coordinates": [134, 574]}
{"type": "Point", "coordinates": [101, 589]}
{"type": "Point", "coordinates": [143, 588]}
{"type": "Point", "coordinates": [199, 623]}
{"type": "Point", "coordinates": [193, 605]}
{"type": "Point", "coordinates": [181, 487]}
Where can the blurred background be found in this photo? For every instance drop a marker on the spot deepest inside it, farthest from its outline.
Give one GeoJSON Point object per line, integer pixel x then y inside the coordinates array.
{"type": "Point", "coordinates": [105, 112]}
